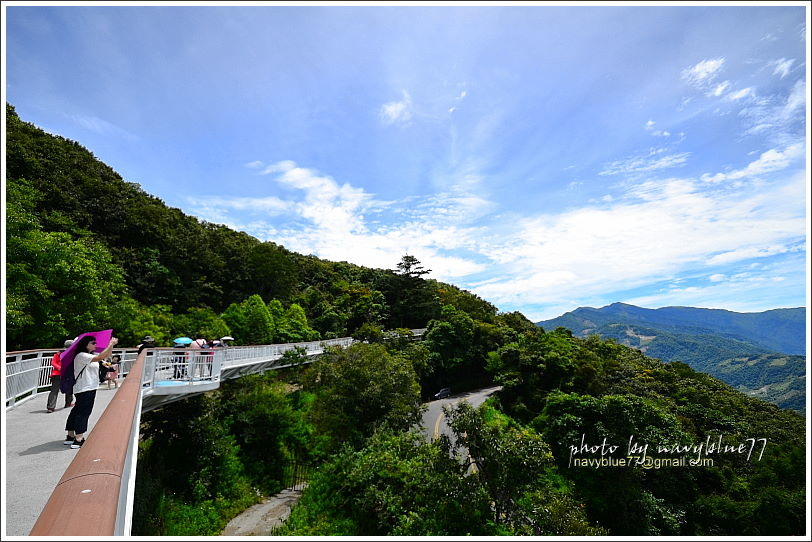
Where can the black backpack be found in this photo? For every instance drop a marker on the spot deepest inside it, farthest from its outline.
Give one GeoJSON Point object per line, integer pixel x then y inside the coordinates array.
{"type": "Point", "coordinates": [67, 380]}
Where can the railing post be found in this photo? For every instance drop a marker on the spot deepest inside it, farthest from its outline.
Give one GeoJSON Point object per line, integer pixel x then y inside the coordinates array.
{"type": "Point", "coordinates": [217, 364]}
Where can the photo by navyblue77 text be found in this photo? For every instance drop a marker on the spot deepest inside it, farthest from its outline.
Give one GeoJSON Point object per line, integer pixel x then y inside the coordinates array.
{"type": "Point", "coordinates": [634, 453]}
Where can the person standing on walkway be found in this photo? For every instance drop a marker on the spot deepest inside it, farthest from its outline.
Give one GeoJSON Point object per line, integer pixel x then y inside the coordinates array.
{"type": "Point", "coordinates": [56, 378]}
{"type": "Point", "coordinates": [198, 361]}
{"type": "Point", "coordinates": [112, 373]}
{"type": "Point", "coordinates": [86, 371]}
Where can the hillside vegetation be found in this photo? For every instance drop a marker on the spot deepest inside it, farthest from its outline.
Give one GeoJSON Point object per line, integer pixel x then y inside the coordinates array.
{"type": "Point", "coordinates": [754, 352]}
{"type": "Point", "coordinates": [88, 250]}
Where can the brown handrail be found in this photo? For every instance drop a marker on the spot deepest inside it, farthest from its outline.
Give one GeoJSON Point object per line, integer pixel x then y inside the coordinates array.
{"type": "Point", "coordinates": [85, 502]}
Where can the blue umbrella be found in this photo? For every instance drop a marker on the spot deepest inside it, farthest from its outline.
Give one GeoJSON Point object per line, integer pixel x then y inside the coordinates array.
{"type": "Point", "coordinates": [183, 340]}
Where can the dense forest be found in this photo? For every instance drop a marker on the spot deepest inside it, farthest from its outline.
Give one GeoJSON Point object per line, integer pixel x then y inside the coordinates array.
{"type": "Point", "coordinates": [88, 250]}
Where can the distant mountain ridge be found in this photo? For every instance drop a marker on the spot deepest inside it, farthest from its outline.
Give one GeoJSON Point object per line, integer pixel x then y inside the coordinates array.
{"type": "Point", "coordinates": [777, 330]}
{"type": "Point", "coordinates": [762, 354]}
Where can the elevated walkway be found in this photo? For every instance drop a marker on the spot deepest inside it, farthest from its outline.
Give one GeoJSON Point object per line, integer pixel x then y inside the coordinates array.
{"type": "Point", "coordinates": [35, 457]}
{"type": "Point", "coordinates": [45, 479]}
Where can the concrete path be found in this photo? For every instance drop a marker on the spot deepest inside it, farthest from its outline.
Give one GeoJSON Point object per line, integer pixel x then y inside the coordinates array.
{"type": "Point", "coordinates": [262, 518]}
{"type": "Point", "coordinates": [35, 458]}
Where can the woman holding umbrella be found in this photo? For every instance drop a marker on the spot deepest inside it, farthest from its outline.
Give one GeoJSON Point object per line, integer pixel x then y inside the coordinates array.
{"type": "Point", "coordinates": [86, 371]}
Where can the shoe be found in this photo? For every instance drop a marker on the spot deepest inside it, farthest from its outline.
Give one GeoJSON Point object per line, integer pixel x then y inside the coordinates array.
{"type": "Point", "coordinates": [69, 440]}
{"type": "Point", "coordinates": [77, 444]}
{"type": "Point", "coordinates": [51, 410]}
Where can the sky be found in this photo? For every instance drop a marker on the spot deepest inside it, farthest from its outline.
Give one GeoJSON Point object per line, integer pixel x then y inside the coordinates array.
{"type": "Point", "coordinates": [544, 157]}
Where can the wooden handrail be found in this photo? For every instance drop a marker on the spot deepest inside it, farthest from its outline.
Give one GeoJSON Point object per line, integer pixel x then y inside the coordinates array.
{"type": "Point", "coordinates": [86, 500]}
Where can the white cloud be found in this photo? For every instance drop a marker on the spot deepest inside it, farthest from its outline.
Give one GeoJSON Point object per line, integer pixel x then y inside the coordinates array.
{"type": "Point", "coordinates": [650, 128]}
{"type": "Point", "coordinates": [739, 94]}
{"type": "Point", "coordinates": [655, 231]}
{"type": "Point", "coordinates": [769, 161]}
{"type": "Point", "coordinates": [279, 167]}
{"type": "Point", "coordinates": [777, 120]}
{"type": "Point", "coordinates": [702, 73]}
{"type": "Point", "coordinates": [645, 164]}
{"type": "Point", "coordinates": [742, 292]}
{"type": "Point", "coordinates": [720, 89]}
{"type": "Point", "coordinates": [659, 230]}
{"type": "Point", "coordinates": [256, 164]}
{"type": "Point", "coordinates": [795, 102]}
{"type": "Point", "coordinates": [748, 253]}
{"type": "Point", "coordinates": [397, 112]}
{"type": "Point", "coordinates": [782, 67]}
{"type": "Point", "coordinates": [341, 222]}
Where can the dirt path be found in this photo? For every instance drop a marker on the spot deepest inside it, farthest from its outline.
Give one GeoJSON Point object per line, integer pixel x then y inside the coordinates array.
{"type": "Point", "coordinates": [262, 518]}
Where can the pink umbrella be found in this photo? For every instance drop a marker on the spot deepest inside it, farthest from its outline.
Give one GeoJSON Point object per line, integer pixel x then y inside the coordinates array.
{"type": "Point", "coordinates": [102, 340]}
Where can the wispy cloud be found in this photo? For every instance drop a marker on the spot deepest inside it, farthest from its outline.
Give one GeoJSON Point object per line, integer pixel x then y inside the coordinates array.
{"type": "Point", "coordinates": [328, 218]}
{"type": "Point", "coordinates": [782, 66]}
{"type": "Point", "coordinates": [703, 73]}
{"type": "Point", "coordinates": [651, 129]}
{"type": "Point", "coordinates": [779, 116]}
{"type": "Point", "coordinates": [103, 127]}
{"type": "Point", "coordinates": [769, 161]}
{"type": "Point", "coordinates": [719, 89]}
{"type": "Point", "coordinates": [659, 230]}
{"type": "Point", "coordinates": [397, 111]}
{"type": "Point", "coordinates": [743, 292]}
{"type": "Point", "coordinates": [748, 253]}
{"type": "Point", "coordinates": [739, 94]}
{"type": "Point", "coordinates": [702, 76]}
{"type": "Point", "coordinates": [775, 114]}
{"type": "Point", "coordinates": [645, 164]}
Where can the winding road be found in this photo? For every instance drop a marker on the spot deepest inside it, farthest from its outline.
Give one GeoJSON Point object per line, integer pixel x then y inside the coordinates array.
{"type": "Point", "coordinates": [260, 519]}
{"type": "Point", "coordinates": [434, 421]}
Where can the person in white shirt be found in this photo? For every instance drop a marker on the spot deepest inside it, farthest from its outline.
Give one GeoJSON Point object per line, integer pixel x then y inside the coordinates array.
{"type": "Point", "coordinates": [86, 372]}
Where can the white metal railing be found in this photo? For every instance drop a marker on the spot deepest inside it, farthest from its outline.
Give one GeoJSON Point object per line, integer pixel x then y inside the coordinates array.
{"type": "Point", "coordinates": [246, 355]}
{"type": "Point", "coordinates": [29, 372]}
{"type": "Point", "coordinates": [175, 367]}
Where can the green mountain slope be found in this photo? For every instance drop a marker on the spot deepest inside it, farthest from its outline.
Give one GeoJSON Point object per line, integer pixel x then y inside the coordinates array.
{"type": "Point", "coordinates": [88, 249]}
{"type": "Point", "coordinates": [735, 347]}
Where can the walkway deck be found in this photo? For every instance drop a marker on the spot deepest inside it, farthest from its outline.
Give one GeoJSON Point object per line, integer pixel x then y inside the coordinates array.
{"type": "Point", "coordinates": [35, 458]}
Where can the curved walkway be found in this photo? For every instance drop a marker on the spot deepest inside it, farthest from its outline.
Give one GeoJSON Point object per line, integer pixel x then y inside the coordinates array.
{"type": "Point", "coordinates": [35, 457]}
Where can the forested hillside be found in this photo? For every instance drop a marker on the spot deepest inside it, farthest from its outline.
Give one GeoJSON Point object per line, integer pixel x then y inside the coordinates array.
{"type": "Point", "coordinates": [755, 352]}
{"type": "Point", "coordinates": [586, 437]}
{"type": "Point", "coordinates": [89, 250]}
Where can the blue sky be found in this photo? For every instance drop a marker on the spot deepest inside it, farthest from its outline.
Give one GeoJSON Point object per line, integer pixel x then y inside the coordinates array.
{"type": "Point", "coordinates": [543, 157]}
